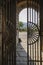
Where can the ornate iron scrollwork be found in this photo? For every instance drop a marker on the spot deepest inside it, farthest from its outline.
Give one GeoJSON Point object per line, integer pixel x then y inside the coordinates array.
{"type": "Point", "coordinates": [33, 33]}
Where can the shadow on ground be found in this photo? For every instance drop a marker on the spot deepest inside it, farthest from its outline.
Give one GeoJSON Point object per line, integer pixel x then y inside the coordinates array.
{"type": "Point", "coordinates": [21, 56]}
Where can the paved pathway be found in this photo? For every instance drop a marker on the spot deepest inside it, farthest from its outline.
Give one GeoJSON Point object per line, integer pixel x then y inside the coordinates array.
{"type": "Point", "coordinates": [22, 51]}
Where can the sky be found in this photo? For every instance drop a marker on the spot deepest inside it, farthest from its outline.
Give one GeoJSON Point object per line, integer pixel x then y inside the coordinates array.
{"type": "Point", "coordinates": [23, 15]}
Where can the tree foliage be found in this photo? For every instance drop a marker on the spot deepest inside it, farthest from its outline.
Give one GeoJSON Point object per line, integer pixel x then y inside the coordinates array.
{"type": "Point", "coordinates": [20, 25]}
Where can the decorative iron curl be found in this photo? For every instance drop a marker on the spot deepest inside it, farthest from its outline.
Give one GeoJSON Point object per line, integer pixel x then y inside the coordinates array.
{"type": "Point", "coordinates": [33, 33]}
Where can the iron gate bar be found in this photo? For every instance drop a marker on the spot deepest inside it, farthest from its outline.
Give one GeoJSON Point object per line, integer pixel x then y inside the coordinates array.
{"type": "Point", "coordinates": [36, 61]}
{"type": "Point", "coordinates": [28, 42]}
{"type": "Point", "coordinates": [35, 21]}
{"type": "Point", "coordinates": [36, 42]}
{"type": "Point", "coordinates": [40, 38]}
{"type": "Point", "coordinates": [2, 31]}
{"type": "Point", "coordinates": [6, 26]}
{"type": "Point", "coordinates": [37, 25]}
{"type": "Point", "coordinates": [5, 31]}
{"type": "Point", "coordinates": [27, 34]}
{"type": "Point", "coordinates": [32, 45]}
{"type": "Point", "coordinates": [5, 60]}
{"type": "Point", "coordinates": [5, 23]}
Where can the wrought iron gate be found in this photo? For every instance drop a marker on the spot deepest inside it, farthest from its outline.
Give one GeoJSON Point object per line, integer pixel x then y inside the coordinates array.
{"type": "Point", "coordinates": [33, 42]}
{"type": "Point", "coordinates": [9, 32]}
{"type": "Point", "coordinates": [33, 36]}
{"type": "Point", "coordinates": [33, 33]}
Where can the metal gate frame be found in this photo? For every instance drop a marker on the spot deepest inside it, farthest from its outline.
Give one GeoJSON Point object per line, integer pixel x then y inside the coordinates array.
{"type": "Point", "coordinates": [39, 35]}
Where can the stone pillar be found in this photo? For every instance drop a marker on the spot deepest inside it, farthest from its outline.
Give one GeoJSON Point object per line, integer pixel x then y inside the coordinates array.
{"type": "Point", "coordinates": [41, 22]}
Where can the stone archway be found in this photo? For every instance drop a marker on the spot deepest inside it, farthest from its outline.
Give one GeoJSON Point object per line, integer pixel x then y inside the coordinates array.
{"type": "Point", "coordinates": [20, 6]}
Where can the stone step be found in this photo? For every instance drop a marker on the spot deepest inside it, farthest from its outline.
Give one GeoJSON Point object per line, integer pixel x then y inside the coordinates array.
{"type": "Point", "coordinates": [23, 59]}
{"type": "Point", "coordinates": [21, 63]}
{"type": "Point", "coordinates": [21, 53]}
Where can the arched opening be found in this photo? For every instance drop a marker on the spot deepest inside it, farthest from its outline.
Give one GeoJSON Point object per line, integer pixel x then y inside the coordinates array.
{"type": "Point", "coordinates": [33, 50]}
{"type": "Point", "coordinates": [22, 32]}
